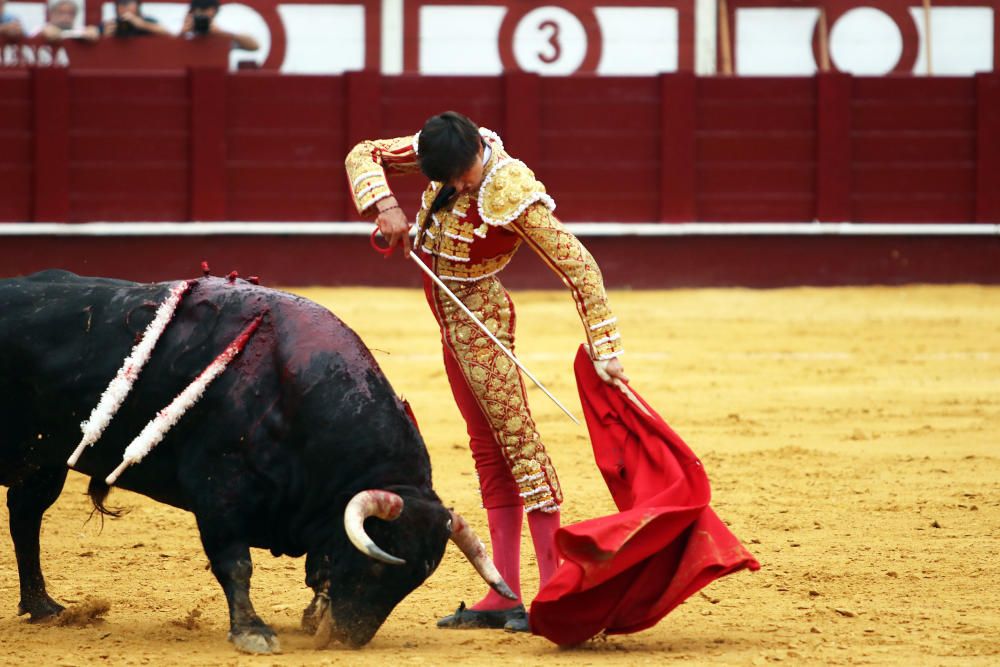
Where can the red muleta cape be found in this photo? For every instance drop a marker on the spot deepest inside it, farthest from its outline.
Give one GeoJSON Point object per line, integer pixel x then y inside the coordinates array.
{"type": "Point", "coordinates": [624, 572]}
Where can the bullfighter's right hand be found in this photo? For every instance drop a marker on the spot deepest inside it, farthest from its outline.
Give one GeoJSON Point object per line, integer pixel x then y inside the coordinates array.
{"type": "Point", "coordinates": [393, 225]}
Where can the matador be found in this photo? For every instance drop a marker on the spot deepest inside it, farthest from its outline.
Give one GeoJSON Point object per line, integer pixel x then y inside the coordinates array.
{"type": "Point", "coordinates": [480, 207]}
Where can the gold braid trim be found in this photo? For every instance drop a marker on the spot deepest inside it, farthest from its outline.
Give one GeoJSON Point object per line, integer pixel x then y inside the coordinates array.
{"type": "Point", "coordinates": [367, 165]}
{"type": "Point", "coordinates": [497, 386]}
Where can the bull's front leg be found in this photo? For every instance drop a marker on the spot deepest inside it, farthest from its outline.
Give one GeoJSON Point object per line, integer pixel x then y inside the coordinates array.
{"type": "Point", "coordinates": [27, 501]}
{"type": "Point", "coordinates": [232, 566]}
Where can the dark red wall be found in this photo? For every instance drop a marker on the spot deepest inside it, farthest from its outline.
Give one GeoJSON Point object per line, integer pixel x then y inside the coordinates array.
{"type": "Point", "coordinates": [16, 152]}
{"type": "Point", "coordinates": [208, 145]}
{"type": "Point", "coordinates": [756, 150]}
{"type": "Point", "coordinates": [129, 146]}
{"type": "Point", "coordinates": [913, 150]}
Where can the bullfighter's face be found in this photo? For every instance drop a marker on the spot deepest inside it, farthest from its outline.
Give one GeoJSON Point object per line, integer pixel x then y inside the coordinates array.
{"type": "Point", "coordinates": [363, 591]}
{"type": "Point", "coordinates": [471, 178]}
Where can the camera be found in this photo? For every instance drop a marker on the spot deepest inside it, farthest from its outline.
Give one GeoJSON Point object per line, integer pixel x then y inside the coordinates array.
{"type": "Point", "coordinates": [123, 28]}
{"type": "Point", "coordinates": [202, 24]}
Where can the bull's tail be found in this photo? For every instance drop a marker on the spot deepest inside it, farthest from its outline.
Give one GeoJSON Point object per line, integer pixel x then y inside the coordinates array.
{"type": "Point", "coordinates": [98, 492]}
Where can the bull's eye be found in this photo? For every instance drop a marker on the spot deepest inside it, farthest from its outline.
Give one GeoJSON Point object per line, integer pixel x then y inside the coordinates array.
{"type": "Point", "coordinates": [448, 525]}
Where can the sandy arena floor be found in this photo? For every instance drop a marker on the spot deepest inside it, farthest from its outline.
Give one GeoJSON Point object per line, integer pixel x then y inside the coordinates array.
{"type": "Point", "coordinates": [851, 436]}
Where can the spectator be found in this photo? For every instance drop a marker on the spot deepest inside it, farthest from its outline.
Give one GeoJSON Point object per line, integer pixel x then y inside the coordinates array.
{"type": "Point", "coordinates": [62, 24]}
{"type": "Point", "coordinates": [129, 21]}
{"type": "Point", "coordinates": [10, 26]}
{"type": "Point", "coordinates": [200, 20]}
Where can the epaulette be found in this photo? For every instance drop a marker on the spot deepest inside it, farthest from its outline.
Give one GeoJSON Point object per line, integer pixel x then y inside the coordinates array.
{"type": "Point", "coordinates": [508, 189]}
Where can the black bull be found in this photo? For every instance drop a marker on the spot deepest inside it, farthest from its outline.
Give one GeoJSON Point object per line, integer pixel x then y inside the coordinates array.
{"type": "Point", "coordinates": [299, 424]}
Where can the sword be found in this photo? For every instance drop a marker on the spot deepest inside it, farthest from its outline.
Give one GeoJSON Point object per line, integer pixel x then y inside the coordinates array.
{"type": "Point", "coordinates": [458, 302]}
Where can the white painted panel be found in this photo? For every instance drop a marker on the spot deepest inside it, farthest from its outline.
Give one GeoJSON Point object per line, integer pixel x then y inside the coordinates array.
{"type": "Point", "coordinates": [638, 40]}
{"type": "Point", "coordinates": [961, 40]}
{"type": "Point", "coordinates": [772, 41]}
{"type": "Point", "coordinates": [706, 37]}
{"type": "Point", "coordinates": [460, 39]}
{"type": "Point", "coordinates": [323, 39]}
{"type": "Point", "coordinates": [30, 14]}
{"type": "Point", "coordinates": [392, 36]}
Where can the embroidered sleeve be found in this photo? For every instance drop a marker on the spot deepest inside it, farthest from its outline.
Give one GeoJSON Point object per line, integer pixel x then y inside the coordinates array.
{"type": "Point", "coordinates": [368, 163]}
{"type": "Point", "coordinates": [565, 255]}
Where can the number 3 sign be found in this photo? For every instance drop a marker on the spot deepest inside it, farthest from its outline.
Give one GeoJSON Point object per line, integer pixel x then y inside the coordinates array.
{"type": "Point", "coordinates": [560, 38]}
{"type": "Point", "coordinates": [550, 39]}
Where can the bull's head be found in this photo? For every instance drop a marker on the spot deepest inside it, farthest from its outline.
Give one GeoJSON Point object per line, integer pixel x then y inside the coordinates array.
{"type": "Point", "coordinates": [365, 585]}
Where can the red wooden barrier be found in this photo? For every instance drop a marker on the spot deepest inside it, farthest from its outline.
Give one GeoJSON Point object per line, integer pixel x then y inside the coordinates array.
{"type": "Point", "coordinates": [285, 147]}
{"type": "Point", "coordinates": [988, 148]}
{"type": "Point", "coordinates": [914, 147]}
{"type": "Point", "coordinates": [50, 201]}
{"type": "Point", "coordinates": [678, 148]}
{"type": "Point", "coordinates": [756, 149]}
{"type": "Point", "coordinates": [833, 148]}
{"type": "Point", "coordinates": [601, 153]}
{"type": "Point", "coordinates": [206, 145]}
{"type": "Point", "coordinates": [129, 138]}
{"type": "Point", "coordinates": [522, 116]}
{"type": "Point", "coordinates": [16, 145]}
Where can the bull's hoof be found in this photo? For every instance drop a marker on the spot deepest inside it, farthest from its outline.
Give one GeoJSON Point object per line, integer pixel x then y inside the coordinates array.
{"type": "Point", "coordinates": [253, 641]}
{"type": "Point", "coordinates": [40, 610]}
{"type": "Point", "coordinates": [310, 622]}
{"type": "Point", "coordinates": [311, 616]}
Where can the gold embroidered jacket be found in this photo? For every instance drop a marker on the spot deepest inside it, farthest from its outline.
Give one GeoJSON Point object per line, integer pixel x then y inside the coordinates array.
{"type": "Point", "coordinates": [479, 234]}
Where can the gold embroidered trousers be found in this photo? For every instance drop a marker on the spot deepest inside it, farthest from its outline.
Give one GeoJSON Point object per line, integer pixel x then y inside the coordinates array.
{"type": "Point", "coordinates": [511, 461]}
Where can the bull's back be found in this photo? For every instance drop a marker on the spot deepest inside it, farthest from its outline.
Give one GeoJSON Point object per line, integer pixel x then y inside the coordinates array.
{"type": "Point", "coordinates": [304, 376]}
{"type": "Point", "coordinates": [56, 325]}
{"type": "Point", "coordinates": [62, 339]}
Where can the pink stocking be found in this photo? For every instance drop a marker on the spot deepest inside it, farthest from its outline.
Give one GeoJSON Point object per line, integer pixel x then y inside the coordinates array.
{"type": "Point", "coordinates": [543, 527]}
{"type": "Point", "coordinates": [505, 534]}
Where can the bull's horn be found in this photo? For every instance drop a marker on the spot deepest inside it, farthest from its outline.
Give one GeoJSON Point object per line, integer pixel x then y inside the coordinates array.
{"type": "Point", "coordinates": [373, 502]}
{"type": "Point", "coordinates": [466, 540]}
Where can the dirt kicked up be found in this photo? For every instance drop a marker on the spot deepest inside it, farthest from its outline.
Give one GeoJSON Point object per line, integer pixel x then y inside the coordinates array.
{"type": "Point", "coordinates": [852, 437]}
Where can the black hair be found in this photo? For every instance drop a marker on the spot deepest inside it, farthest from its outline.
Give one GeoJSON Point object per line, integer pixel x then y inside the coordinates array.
{"type": "Point", "coordinates": [448, 146]}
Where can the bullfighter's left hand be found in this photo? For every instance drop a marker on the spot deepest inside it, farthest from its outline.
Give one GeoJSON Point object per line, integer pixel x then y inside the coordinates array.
{"type": "Point", "coordinates": [610, 370]}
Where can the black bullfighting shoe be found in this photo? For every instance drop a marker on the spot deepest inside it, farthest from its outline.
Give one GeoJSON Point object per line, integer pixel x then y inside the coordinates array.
{"type": "Point", "coordinates": [469, 619]}
{"type": "Point", "coordinates": [518, 624]}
